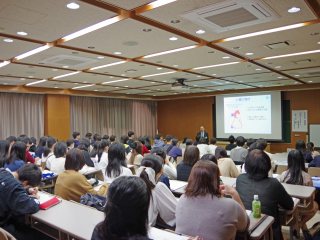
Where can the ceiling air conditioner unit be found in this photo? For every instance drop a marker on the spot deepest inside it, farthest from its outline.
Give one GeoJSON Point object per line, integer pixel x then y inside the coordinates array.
{"type": "Point", "coordinates": [232, 14]}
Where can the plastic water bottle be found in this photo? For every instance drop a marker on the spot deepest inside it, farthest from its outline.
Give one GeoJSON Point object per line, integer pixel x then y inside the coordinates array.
{"type": "Point", "coordinates": [256, 207]}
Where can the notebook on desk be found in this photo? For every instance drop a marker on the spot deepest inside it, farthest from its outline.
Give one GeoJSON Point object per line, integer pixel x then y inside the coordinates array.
{"type": "Point", "coordinates": [47, 200]}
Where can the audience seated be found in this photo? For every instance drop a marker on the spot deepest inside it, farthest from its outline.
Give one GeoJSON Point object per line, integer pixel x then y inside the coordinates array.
{"type": "Point", "coordinates": [4, 152]}
{"type": "Point", "coordinates": [168, 168]}
{"type": "Point", "coordinates": [175, 150]}
{"type": "Point", "coordinates": [117, 166]}
{"type": "Point", "coordinates": [239, 153]}
{"type": "Point", "coordinates": [130, 139]}
{"type": "Point", "coordinates": [48, 156]}
{"type": "Point", "coordinates": [190, 157]}
{"type": "Point", "coordinates": [124, 141]}
{"type": "Point", "coordinates": [204, 211]}
{"type": "Point", "coordinates": [60, 151]}
{"type": "Point", "coordinates": [144, 147]}
{"type": "Point", "coordinates": [301, 146]}
{"type": "Point", "coordinates": [70, 143]}
{"type": "Point", "coordinates": [84, 145]}
{"type": "Point", "coordinates": [315, 162]}
{"type": "Point", "coordinates": [41, 146]}
{"type": "Point", "coordinates": [112, 139]}
{"type": "Point", "coordinates": [71, 184]}
{"type": "Point", "coordinates": [158, 141]}
{"type": "Point", "coordinates": [76, 137]}
{"type": "Point", "coordinates": [203, 147]}
{"type": "Point", "coordinates": [209, 157]}
{"type": "Point", "coordinates": [226, 165]}
{"type": "Point", "coordinates": [162, 201]}
{"type": "Point", "coordinates": [135, 156]}
{"type": "Point", "coordinates": [270, 191]}
{"type": "Point", "coordinates": [101, 159]}
{"type": "Point", "coordinates": [310, 149]}
{"type": "Point", "coordinates": [27, 141]}
{"type": "Point", "coordinates": [231, 144]}
{"type": "Point", "coordinates": [212, 146]}
{"type": "Point", "coordinates": [167, 147]}
{"type": "Point", "coordinates": [17, 157]}
{"type": "Point", "coordinates": [126, 212]}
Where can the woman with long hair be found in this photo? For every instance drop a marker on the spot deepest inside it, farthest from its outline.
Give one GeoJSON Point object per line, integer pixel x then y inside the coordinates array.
{"type": "Point", "coordinates": [190, 157]}
{"type": "Point", "coordinates": [4, 152]}
{"type": "Point", "coordinates": [17, 156]}
{"type": "Point", "coordinates": [135, 156]}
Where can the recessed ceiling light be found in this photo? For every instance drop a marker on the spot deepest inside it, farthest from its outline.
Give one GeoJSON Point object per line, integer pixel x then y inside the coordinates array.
{"type": "Point", "coordinates": [241, 81]}
{"type": "Point", "coordinates": [8, 40]}
{"type": "Point", "coordinates": [159, 68]}
{"type": "Point", "coordinates": [295, 82]}
{"type": "Point", "coordinates": [22, 33]}
{"type": "Point", "coordinates": [214, 74]}
{"type": "Point", "coordinates": [123, 74]}
{"type": "Point", "coordinates": [175, 21]}
{"type": "Point", "coordinates": [158, 89]}
{"type": "Point", "coordinates": [258, 69]}
{"type": "Point", "coordinates": [198, 76]}
{"type": "Point", "coordinates": [73, 5]}
{"type": "Point", "coordinates": [147, 29]}
{"type": "Point", "coordinates": [249, 53]}
{"type": "Point", "coordinates": [226, 57]}
{"type": "Point", "coordinates": [55, 87]}
{"type": "Point", "coordinates": [110, 77]}
{"type": "Point", "coordinates": [293, 54]}
{"type": "Point", "coordinates": [297, 75]}
{"type": "Point", "coordinates": [200, 31]}
{"type": "Point", "coordinates": [153, 95]}
{"type": "Point", "coordinates": [30, 76]}
{"type": "Point", "coordinates": [294, 10]}
{"type": "Point", "coordinates": [22, 79]}
{"type": "Point", "coordinates": [85, 82]}
{"type": "Point", "coordinates": [100, 57]}
{"type": "Point", "coordinates": [173, 39]}
{"type": "Point", "coordinates": [277, 67]}
{"type": "Point", "coordinates": [195, 85]}
{"type": "Point", "coordinates": [164, 81]}
{"type": "Point", "coordinates": [310, 81]}
{"type": "Point", "coordinates": [126, 86]}
{"type": "Point", "coordinates": [175, 65]}
{"type": "Point", "coordinates": [117, 53]}
{"type": "Point", "coordinates": [280, 77]}
{"type": "Point", "coordinates": [175, 93]}
{"type": "Point", "coordinates": [153, 82]}
{"type": "Point", "coordinates": [96, 90]}
{"type": "Point", "coordinates": [65, 66]}
{"type": "Point", "coordinates": [54, 70]}
{"type": "Point", "coordinates": [318, 42]}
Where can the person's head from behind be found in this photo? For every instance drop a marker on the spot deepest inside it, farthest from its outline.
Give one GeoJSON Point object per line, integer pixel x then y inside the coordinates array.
{"type": "Point", "coordinates": [136, 147]}
{"type": "Point", "coordinates": [18, 151]}
{"type": "Point", "coordinates": [231, 139]}
{"type": "Point", "coordinates": [126, 212]}
{"type": "Point", "coordinates": [116, 159]}
{"type": "Point", "coordinates": [4, 152]}
{"type": "Point", "coordinates": [262, 144]}
{"type": "Point", "coordinates": [33, 140]}
{"type": "Point", "coordinates": [74, 160]}
{"type": "Point", "coordinates": [240, 141]}
{"type": "Point", "coordinates": [295, 166]}
{"type": "Point", "coordinates": [253, 146]}
{"type": "Point", "coordinates": [112, 138]}
{"type": "Point", "coordinates": [209, 157]}
{"type": "Point", "coordinates": [310, 146]}
{"type": "Point", "coordinates": [76, 135]}
{"type": "Point", "coordinates": [105, 137]}
{"type": "Point", "coordinates": [49, 146]}
{"type": "Point", "coordinates": [213, 141]}
{"type": "Point", "coordinates": [154, 162]}
{"type": "Point", "coordinates": [204, 180]}
{"type": "Point", "coordinates": [131, 134]}
{"type": "Point", "coordinates": [26, 140]}
{"type": "Point", "coordinates": [159, 152]}
{"type": "Point", "coordinates": [29, 175]}
{"type": "Point", "coordinates": [249, 142]}
{"type": "Point", "coordinates": [70, 143]}
{"type": "Point", "coordinates": [60, 149]}
{"type": "Point", "coordinates": [202, 141]}
{"type": "Point", "coordinates": [168, 139]}
{"type": "Point", "coordinates": [42, 141]}
{"type": "Point", "coordinates": [88, 135]}
{"type": "Point", "coordinates": [124, 139]}
{"type": "Point", "coordinates": [220, 153]}
{"type": "Point", "coordinates": [96, 137]}
{"type": "Point", "coordinates": [11, 139]}
{"type": "Point", "coordinates": [257, 164]}
{"type": "Point", "coordinates": [191, 155]}
{"type": "Point", "coordinates": [174, 142]}
{"type": "Point", "coordinates": [157, 137]}
{"type": "Point", "coordinates": [189, 142]}
{"type": "Point", "coordinates": [84, 144]}
{"type": "Point", "coordinates": [301, 145]}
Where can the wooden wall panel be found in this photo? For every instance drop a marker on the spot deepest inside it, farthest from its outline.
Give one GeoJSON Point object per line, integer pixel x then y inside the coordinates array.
{"type": "Point", "coordinates": [57, 116]}
{"type": "Point", "coordinates": [183, 118]}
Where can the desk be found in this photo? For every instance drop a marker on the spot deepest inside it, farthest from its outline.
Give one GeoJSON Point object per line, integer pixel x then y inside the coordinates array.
{"type": "Point", "coordinates": [263, 230]}
{"type": "Point", "coordinates": [304, 193]}
{"type": "Point", "coordinates": [176, 184]}
{"type": "Point", "coordinates": [158, 234]}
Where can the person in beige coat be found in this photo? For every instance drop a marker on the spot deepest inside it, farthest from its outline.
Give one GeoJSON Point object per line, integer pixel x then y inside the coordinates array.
{"type": "Point", "coordinates": [226, 165]}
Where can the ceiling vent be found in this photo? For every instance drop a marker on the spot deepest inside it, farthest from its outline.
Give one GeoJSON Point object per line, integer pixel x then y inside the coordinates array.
{"type": "Point", "coordinates": [68, 60]}
{"type": "Point", "coordinates": [278, 45]}
{"type": "Point", "coordinates": [232, 14]}
{"type": "Point", "coordinates": [303, 61]}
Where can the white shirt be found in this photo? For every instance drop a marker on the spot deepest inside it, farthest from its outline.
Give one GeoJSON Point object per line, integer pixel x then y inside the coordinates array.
{"type": "Point", "coordinates": [212, 149]}
{"type": "Point", "coordinates": [103, 161]}
{"type": "Point", "coordinates": [164, 203]}
{"type": "Point", "coordinates": [48, 160]}
{"type": "Point", "coordinates": [57, 166]}
{"type": "Point", "coordinates": [170, 170]}
{"type": "Point", "coordinates": [137, 159]}
{"type": "Point", "coordinates": [123, 172]}
{"type": "Point", "coordinates": [203, 149]}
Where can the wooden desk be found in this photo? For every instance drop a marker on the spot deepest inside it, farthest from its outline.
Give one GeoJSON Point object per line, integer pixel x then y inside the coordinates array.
{"type": "Point", "coordinates": [304, 193]}
{"type": "Point", "coordinates": [263, 230]}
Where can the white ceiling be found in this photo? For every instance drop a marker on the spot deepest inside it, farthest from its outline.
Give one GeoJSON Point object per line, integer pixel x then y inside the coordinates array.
{"type": "Point", "coordinates": [145, 31]}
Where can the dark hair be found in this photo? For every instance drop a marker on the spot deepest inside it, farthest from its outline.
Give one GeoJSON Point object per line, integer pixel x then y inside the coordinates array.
{"type": "Point", "coordinates": [240, 141]}
{"type": "Point", "coordinates": [231, 139]}
{"type": "Point", "coordinates": [191, 155]}
{"type": "Point", "coordinates": [85, 143]}
{"type": "Point", "coordinates": [94, 150]}
{"type": "Point", "coordinates": [17, 152]}
{"type": "Point", "coordinates": [295, 168]}
{"type": "Point", "coordinates": [124, 139]}
{"type": "Point", "coordinates": [257, 164]}
{"type": "Point", "coordinates": [4, 152]}
{"type": "Point", "coordinates": [168, 138]}
{"type": "Point", "coordinates": [159, 152]}
{"type": "Point", "coordinates": [250, 141]}
{"type": "Point", "coordinates": [213, 140]}
{"type": "Point", "coordinates": [254, 146]}
{"type": "Point", "coordinates": [101, 148]}
{"type": "Point", "coordinates": [130, 133]}
{"type": "Point", "coordinates": [25, 140]}
{"type": "Point", "coordinates": [136, 149]}
{"type": "Point", "coordinates": [105, 137]}
{"type": "Point", "coordinates": [116, 159]}
{"type": "Point", "coordinates": [97, 137]}
{"type": "Point", "coordinates": [174, 142]}
{"type": "Point", "coordinates": [30, 173]}
{"type": "Point", "coordinates": [112, 138]}
{"type": "Point", "coordinates": [310, 147]}
{"type": "Point", "coordinates": [50, 143]}
{"type": "Point", "coordinates": [203, 141]}
{"type": "Point", "coordinates": [42, 141]}
{"type": "Point", "coordinates": [60, 149]}
{"type": "Point", "coordinates": [189, 142]}
{"type": "Point", "coordinates": [220, 153]}
{"type": "Point", "coordinates": [33, 140]}
{"type": "Point", "coordinates": [75, 134]}
{"type": "Point", "coordinates": [142, 140]}
{"type": "Point", "coordinates": [301, 145]}
{"type": "Point", "coordinates": [157, 136]}
{"type": "Point", "coordinates": [11, 139]}
{"type": "Point", "coordinates": [209, 157]}
{"type": "Point", "coordinates": [204, 179]}
{"type": "Point", "coordinates": [154, 162]}
{"type": "Point", "coordinates": [126, 212]}
{"type": "Point", "coordinates": [261, 144]}
{"type": "Point", "coordinates": [69, 142]}
{"type": "Point", "coordinates": [74, 160]}
{"type": "Point", "coordinates": [88, 135]}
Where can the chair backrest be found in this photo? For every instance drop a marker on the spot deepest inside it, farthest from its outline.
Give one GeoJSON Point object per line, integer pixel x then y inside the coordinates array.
{"type": "Point", "coordinates": [4, 235]}
{"type": "Point", "coordinates": [280, 169]}
{"type": "Point", "coordinates": [314, 171]}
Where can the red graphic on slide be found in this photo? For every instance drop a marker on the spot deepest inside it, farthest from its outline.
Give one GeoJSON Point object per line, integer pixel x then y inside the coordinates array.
{"type": "Point", "coordinates": [236, 122]}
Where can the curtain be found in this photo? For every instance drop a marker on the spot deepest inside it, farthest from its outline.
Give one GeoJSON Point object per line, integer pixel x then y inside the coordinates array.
{"type": "Point", "coordinates": [21, 114]}
{"type": "Point", "coordinates": [113, 116]}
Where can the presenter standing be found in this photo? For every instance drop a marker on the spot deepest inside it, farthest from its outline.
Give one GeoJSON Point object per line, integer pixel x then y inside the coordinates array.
{"type": "Point", "coordinates": [203, 134]}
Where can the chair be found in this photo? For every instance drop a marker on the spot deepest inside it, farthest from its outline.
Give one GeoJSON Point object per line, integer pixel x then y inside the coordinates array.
{"type": "Point", "coordinates": [280, 169]}
{"type": "Point", "coordinates": [314, 171]}
{"type": "Point", "coordinates": [4, 235]}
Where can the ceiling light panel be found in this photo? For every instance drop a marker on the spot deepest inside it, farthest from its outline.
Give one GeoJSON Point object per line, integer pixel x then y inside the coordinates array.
{"type": "Point", "coordinates": [178, 8]}
{"type": "Point", "coordinates": [131, 91]}
{"type": "Point", "coordinates": [14, 81]}
{"type": "Point", "coordinates": [40, 15]}
{"type": "Point", "coordinates": [131, 83]}
{"type": "Point", "coordinates": [230, 87]}
{"type": "Point", "coordinates": [133, 42]}
{"type": "Point", "coordinates": [86, 78]}
{"type": "Point", "coordinates": [195, 57]}
{"type": "Point", "coordinates": [16, 48]}
{"type": "Point", "coordinates": [158, 93]}
{"type": "Point", "coordinates": [258, 44]}
{"type": "Point", "coordinates": [277, 83]}
{"type": "Point", "coordinates": [304, 73]}
{"type": "Point", "coordinates": [59, 57]}
{"type": "Point", "coordinates": [311, 80]}
{"type": "Point", "coordinates": [254, 77]}
{"type": "Point", "coordinates": [26, 71]}
{"type": "Point", "coordinates": [53, 84]}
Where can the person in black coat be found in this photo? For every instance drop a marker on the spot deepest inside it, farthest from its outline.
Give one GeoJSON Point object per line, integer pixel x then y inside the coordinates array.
{"type": "Point", "coordinates": [203, 134]}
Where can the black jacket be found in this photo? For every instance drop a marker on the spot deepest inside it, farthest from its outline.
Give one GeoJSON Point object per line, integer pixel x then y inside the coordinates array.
{"type": "Point", "coordinates": [14, 200]}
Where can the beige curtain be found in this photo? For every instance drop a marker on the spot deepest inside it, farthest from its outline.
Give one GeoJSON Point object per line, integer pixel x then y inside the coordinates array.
{"type": "Point", "coordinates": [21, 114]}
{"type": "Point", "coordinates": [113, 116]}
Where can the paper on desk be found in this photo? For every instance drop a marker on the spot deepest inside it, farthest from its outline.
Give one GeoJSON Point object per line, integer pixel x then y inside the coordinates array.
{"type": "Point", "coordinates": [44, 197]}
{"type": "Point", "coordinates": [175, 184]}
{"type": "Point", "coordinates": [158, 234]}
{"type": "Point", "coordinates": [248, 212]}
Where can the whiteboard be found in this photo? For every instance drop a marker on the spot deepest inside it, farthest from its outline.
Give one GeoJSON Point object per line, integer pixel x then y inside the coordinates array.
{"type": "Point", "coordinates": [314, 134]}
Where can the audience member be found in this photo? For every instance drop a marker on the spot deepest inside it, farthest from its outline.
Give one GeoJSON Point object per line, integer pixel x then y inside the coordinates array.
{"type": "Point", "coordinates": [212, 146]}
{"type": "Point", "coordinates": [203, 147]}
{"type": "Point", "coordinates": [60, 151]}
{"type": "Point", "coordinates": [175, 150]}
{"type": "Point", "coordinates": [48, 156]}
{"type": "Point", "coordinates": [168, 168]}
{"type": "Point", "coordinates": [209, 157]}
{"type": "Point", "coordinates": [76, 137]}
{"type": "Point", "coordinates": [167, 147]}
{"type": "Point", "coordinates": [190, 157]}
{"type": "Point", "coordinates": [33, 144]}
{"type": "Point", "coordinates": [17, 157]}
{"type": "Point", "coordinates": [84, 145]}
{"type": "Point", "coordinates": [112, 139]}
{"type": "Point", "coordinates": [4, 152]}
{"type": "Point", "coordinates": [239, 153]}
{"type": "Point", "coordinates": [226, 165]}
{"type": "Point", "coordinates": [158, 141]}
{"type": "Point", "coordinates": [41, 146]}
{"type": "Point", "coordinates": [135, 156]}
{"type": "Point", "coordinates": [130, 139]}
{"type": "Point", "coordinates": [301, 146]}
{"type": "Point", "coordinates": [231, 144]}
{"type": "Point", "coordinates": [70, 144]}
{"type": "Point", "coordinates": [144, 147]}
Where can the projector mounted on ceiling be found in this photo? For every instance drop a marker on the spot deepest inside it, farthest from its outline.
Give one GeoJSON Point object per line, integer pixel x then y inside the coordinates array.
{"type": "Point", "coordinates": [179, 84]}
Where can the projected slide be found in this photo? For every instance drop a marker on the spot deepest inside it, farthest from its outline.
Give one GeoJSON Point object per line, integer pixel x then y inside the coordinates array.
{"type": "Point", "coordinates": [247, 114]}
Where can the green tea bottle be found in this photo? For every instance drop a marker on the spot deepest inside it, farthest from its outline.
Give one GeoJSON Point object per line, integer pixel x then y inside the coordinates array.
{"type": "Point", "coordinates": [256, 207]}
